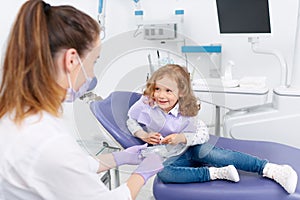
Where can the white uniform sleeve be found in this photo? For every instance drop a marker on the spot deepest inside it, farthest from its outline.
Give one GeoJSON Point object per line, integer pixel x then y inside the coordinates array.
{"type": "Point", "coordinates": [93, 164]}
{"type": "Point", "coordinates": [64, 171]}
{"type": "Point", "coordinates": [201, 136]}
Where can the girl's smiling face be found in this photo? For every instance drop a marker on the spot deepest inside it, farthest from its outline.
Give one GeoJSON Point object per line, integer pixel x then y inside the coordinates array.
{"type": "Point", "coordinates": [166, 93]}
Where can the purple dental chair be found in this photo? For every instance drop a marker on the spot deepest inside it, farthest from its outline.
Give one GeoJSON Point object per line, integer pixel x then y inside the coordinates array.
{"type": "Point", "coordinates": [112, 115]}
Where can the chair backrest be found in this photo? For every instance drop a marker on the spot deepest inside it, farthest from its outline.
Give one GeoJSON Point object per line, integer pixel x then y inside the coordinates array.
{"type": "Point", "coordinates": [112, 114]}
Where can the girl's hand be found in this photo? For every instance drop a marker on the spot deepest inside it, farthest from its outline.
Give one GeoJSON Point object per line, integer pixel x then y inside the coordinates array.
{"type": "Point", "coordinates": [174, 139]}
{"type": "Point", "coordinates": [152, 138]}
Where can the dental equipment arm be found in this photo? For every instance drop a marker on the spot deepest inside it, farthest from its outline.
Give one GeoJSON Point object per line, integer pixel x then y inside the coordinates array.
{"type": "Point", "coordinates": [295, 82]}
{"type": "Point", "coordinates": [151, 67]}
{"type": "Point", "coordinates": [277, 54]}
{"type": "Point", "coordinates": [101, 17]}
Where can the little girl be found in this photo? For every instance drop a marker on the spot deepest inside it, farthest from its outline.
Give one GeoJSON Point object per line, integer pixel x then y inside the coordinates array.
{"type": "Point", "coordinates": [167, 114]}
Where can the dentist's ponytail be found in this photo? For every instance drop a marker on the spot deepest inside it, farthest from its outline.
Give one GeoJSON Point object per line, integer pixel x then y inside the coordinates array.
{"type": "Point", "coordinates": [29, 76]}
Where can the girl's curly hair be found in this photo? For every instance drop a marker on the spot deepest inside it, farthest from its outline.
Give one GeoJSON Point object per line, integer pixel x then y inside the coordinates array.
{"type": "Point", "coordinates": [188, 103]}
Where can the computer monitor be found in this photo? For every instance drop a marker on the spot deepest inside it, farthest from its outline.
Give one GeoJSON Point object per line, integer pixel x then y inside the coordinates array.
{"type": "Point", "coordinates": [245, 17]}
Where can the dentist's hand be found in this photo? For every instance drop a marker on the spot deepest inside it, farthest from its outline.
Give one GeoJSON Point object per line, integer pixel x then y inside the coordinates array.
{"type": "Point", "coordinates": [131, 155]}
{"type": "Point", "coordinates": [150, 166]}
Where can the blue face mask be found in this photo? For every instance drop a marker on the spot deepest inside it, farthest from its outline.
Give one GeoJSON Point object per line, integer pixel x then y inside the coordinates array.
{"type": "Point", "coordinates": [93, 83]}
{"type": "Point", "coordinates": [71, 93]}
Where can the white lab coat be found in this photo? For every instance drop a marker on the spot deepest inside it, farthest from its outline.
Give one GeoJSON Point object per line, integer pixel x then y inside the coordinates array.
{"type": "Point", "coordinates": [41, 160]}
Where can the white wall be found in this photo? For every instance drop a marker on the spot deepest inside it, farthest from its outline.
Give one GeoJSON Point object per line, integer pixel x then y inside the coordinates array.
{"type": "Point", "coordinates": [124, 61]}
{"type": "Point", "coordinates": [200, 24]}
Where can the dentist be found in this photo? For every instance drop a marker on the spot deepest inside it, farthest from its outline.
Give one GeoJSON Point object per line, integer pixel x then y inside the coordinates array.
{"type": "Point", "coordinates": [49, 60]}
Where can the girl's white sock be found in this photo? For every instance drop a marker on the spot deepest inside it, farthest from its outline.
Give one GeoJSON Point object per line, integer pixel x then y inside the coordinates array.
{"type": "Point", "coordinates": [285, 175]}
{"type": "Point", "coordinates": [228, 173]}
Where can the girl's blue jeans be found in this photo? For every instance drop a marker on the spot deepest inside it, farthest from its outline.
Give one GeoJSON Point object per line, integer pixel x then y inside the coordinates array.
{"type": "Point", "coordinates": [192, 166]}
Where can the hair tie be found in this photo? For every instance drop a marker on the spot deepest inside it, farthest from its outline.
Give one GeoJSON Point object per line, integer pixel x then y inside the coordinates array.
{"type": "Point", "coordinates": [46, 7]}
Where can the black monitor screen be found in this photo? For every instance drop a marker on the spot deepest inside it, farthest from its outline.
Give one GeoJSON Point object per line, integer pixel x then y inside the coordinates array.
{"type": "Point", "coordinates": [243, 16]}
